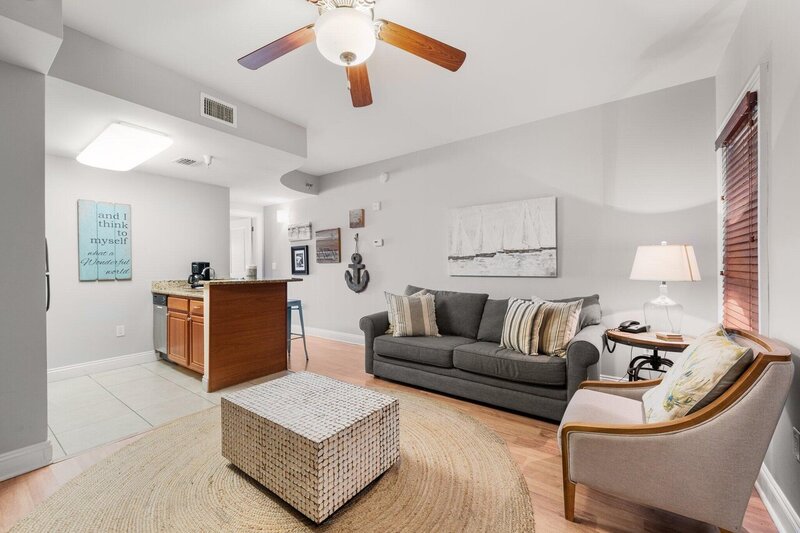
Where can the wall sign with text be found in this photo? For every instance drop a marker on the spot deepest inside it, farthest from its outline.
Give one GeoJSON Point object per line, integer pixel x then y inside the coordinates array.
{"type": "Point", "coordinates": [104, 241]}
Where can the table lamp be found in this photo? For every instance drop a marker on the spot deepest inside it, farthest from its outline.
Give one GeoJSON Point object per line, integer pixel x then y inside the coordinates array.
{"type": "Point", "coordinates": [665, 262]}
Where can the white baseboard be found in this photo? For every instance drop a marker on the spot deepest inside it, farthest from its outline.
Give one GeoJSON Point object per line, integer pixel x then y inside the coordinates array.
{"type": "Point", "coordinates": [101, 365]}
{"type": "Point", "coordinates": [350, 338]}
{"type": "Point", "coordinates": [17, 462]}
{"type": "Point", "coordinates": [779, 508]}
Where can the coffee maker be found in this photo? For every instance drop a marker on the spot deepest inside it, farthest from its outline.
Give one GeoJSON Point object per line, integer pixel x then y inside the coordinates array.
{"type": "Point", "coordinates": [201, 271]}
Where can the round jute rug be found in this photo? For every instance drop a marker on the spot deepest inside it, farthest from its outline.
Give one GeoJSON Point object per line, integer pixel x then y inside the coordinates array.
{"type": "Point", "coordinates": [454, 475]}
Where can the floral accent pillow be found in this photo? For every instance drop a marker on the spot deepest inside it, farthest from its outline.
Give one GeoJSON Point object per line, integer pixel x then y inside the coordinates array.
{"type": "Point", "coordinates": [694, 375]}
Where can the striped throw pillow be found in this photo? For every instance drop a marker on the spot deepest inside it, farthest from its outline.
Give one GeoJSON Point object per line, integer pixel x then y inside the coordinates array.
{"type": "Point", "coordinates": [414, 316]}
{"type": "Point", "coordinates": [518, 326]}
{"type": "Point", "coordinates": [556, 324]}
{"type": "Point", "coordinates": [390, 331]}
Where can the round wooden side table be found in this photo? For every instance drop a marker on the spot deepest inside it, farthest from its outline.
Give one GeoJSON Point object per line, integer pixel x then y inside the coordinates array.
{"type": "Point", "coordinates": [648, 341]}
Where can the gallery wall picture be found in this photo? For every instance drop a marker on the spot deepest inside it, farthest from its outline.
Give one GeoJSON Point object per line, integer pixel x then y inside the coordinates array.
{"type": "Point", "coordinates": [510, 239]}
{"type": "Point", "coordinates": [300, 260]}
{"type": "Point", "coordinates": [356, 218]}
{"type": "Point", "coordinates": [104, 241]}
{"type": "Point", "coordinates": [300, 232]}
{"type": "Point", "coordinates": [329, 245]}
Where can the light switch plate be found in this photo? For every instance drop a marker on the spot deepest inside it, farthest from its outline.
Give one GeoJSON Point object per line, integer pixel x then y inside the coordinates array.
{"type": "Point", "coordinates": [274, 266]}
{"type": "Point", "coordinates": [120, 331]}
{"type": "Point", "coordinates": [376, 206]}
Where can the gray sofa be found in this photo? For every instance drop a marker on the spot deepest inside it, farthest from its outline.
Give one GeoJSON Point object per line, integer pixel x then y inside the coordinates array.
{"type": "Point", "coordinates": [467, 360]}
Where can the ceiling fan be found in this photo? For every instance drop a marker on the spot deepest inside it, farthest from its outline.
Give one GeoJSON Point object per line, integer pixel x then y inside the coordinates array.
{"type": "Point", "coordinates": [346, 34]}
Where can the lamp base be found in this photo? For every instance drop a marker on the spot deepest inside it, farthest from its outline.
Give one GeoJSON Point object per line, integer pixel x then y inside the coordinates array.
{"type": "Point", "coordinates": [663, 313]}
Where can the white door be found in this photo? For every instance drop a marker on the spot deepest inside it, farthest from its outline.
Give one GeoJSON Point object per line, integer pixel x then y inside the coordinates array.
{"type": "Point", "coordinates": [241, 245]}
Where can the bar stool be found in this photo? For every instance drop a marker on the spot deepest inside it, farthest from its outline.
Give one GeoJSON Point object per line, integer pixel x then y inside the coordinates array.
{"type": "Point", "coordinates": [290, 305]}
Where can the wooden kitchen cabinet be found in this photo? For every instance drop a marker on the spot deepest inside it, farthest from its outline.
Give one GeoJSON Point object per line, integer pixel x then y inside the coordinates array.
{"type": "Point", "coordinates": [185, 333]}
{"type": "Point", "coordinates": [196, 336]}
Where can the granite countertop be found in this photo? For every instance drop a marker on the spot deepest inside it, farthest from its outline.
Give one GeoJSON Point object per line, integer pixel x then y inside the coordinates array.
{"type": "Point", "coordinates": [184, 290]}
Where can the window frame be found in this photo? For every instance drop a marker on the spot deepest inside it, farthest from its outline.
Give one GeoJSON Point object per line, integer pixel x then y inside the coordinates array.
{"type": "Point", "coordinates": [758, 82]}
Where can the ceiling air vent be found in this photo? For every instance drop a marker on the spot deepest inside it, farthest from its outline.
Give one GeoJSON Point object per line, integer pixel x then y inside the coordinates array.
{"type": "Point", "coordinates": [216, 109]}
{"type": "Point", "coordinates": [186, 161]}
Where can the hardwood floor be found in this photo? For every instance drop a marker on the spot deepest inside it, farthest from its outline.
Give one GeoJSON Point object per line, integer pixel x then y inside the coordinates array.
{"type": "Point", "coordinates": [532, 443]}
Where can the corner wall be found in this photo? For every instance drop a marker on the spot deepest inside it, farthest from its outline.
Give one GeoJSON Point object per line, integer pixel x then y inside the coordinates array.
{"type": "Point", "coordinates": [173, 222]}
{"type": "Point", "coordinates": [767, 35]}
{"type": "Point", "coordinates": [632, 172]}
{"type": "Point", "coordinates": [23, 345]}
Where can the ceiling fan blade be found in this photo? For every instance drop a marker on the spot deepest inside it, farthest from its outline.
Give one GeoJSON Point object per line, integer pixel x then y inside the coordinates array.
{"type": "Point", "coordinates": [276, 49]}
{"type": "Point", "coordinates": [360, 91]}
{"type": "Point", "coordinates": [421, 45]}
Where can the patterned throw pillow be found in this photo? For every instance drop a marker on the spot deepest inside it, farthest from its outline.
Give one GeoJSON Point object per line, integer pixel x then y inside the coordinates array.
{"type": "Point", "coordinates": [556, 324]}
{"type": "Point", "coordinates": [518, 326]}
{"type": "Point", "coordinates": [414, 316]}
{"type": "Point", "coordinates": [693, 376]}
{"type": "Point", "coordinates": [390, 331]}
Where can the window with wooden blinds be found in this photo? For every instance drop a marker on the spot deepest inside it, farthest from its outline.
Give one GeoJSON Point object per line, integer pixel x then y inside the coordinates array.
{"type": "Point", "coordinates": [739, 144]}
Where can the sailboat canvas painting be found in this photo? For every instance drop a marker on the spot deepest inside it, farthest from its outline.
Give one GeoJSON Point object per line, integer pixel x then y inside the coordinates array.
{"type": "Point", "coordinates": [509, 239]}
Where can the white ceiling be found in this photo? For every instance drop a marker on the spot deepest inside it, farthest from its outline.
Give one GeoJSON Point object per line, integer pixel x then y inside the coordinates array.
{"type": "Point", "coordinates": [76, 115]}
{"type": "Point", "coordinates": [526, 60]}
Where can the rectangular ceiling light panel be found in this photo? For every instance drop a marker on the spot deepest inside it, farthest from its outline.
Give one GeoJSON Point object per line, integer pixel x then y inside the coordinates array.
{"type": "Point", "coordinates": [123, 146]}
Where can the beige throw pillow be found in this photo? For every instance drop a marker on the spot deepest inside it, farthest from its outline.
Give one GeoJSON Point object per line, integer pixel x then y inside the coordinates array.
{"type": "Point", "coordinates": [390, 331]}
{"type": "Point", "coordinates": [695, 374]}
{"type": "Point", "coordinates": [556, 324]}
{"type": "Point", "coordinates": [414, 316]}
{"type": "Point", "coordinates": [518, 326]}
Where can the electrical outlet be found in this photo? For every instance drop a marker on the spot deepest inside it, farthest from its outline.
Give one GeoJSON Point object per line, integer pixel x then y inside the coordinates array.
{"type": "Point", "coordinates": [796, 436]}
{"type": "Point", "coordinates": [120, 331]}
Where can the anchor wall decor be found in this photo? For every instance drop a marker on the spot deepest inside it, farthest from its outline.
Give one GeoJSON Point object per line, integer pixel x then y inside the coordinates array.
{"type": "Point", "coordinates": [357, 277]}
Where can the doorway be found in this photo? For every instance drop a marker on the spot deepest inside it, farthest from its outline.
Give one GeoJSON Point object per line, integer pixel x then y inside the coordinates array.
{"type": "Point", "coordinates": [241, 245]}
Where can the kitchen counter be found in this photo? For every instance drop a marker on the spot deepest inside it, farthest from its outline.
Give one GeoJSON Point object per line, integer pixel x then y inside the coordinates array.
{"type": "Point", "coordinates": [184, 290]}
{"type": "Point", "coordinates": [231, 330]}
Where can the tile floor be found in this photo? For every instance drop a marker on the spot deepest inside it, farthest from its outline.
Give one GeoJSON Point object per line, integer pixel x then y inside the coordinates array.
{"type": "Point", "coordinates": [97, 409]}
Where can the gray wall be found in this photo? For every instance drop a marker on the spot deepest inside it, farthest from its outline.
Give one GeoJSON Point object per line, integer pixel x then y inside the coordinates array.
{"type": "Point", "coordinates": [768, 33]}
{"type": "Point", "coordinates": [632, 172]}
{"type": "Point", "coordinates": [173, 222]}
{"type": "Point", "coordinates": [23, 347]}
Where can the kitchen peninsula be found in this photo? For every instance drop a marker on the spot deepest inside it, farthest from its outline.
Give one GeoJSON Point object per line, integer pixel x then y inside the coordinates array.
{"type": "Point", "coordinates": [230, 331]}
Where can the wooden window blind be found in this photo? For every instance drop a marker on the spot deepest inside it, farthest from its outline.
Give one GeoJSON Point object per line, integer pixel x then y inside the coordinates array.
{"type": "Point", "coordinates": [739, 144]}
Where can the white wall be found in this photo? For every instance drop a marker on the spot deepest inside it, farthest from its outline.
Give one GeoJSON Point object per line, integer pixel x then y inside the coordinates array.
{"type": "Point", "coordinates": [173, 222]}
{"type": "Point", "coordinates": [632, 172]}
{"type": "Point", "coordinates": [23, 385]}
{"type": "Point", "coordinates": [768, 35]}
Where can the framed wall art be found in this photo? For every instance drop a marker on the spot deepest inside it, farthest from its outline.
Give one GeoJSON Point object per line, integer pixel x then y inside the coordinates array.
{"type": "Point", "coordinates": [300, 260]}
{"type": "Point", "coordinates": [329, 245]}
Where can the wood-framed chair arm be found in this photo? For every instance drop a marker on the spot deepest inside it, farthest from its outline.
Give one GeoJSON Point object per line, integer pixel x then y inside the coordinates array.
{"type": "Point", "coordinates": [644, 384]}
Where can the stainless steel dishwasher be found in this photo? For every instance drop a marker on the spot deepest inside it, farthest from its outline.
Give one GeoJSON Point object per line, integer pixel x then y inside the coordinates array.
{"type": "Point", "coordinates": [160, 324]}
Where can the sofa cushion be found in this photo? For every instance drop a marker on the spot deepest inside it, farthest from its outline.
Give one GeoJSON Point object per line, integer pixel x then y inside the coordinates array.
{"type": "Point", "coordinates": [412, 316]}
{"type": "Point", "coordinates": [489, 359]}
{"type": "Point", "coordinates": [600, 408]}
{"type": "Point", "coordinates": [437, 351]}
{"type": "Point", "coordinates": [457, 313]}
{"type": "Point", "coordinates": [491, 328]}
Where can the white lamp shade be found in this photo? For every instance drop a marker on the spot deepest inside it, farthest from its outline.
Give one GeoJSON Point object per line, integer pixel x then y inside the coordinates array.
{"type": "Point", "coordinates": [345, 36]}
{"type": "Point", "coordinates": [666, 262]}
{"type": "Point", "coordinates": [123, 146]}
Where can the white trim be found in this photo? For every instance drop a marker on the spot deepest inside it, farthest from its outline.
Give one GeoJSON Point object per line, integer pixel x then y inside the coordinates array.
{"type": "Point", "coordinates": [101, 365]}
{"type": "Point", "coordinates": [17, 462]}
{"type": "Point", "coordinates": [778, 506]}
{"type": "Point", "coordinates": [350, 338]}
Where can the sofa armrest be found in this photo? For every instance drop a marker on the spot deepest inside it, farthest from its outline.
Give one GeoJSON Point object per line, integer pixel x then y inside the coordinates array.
{"type": "Point", "coordinates": [372, 326]}
{"type": "Point", "coordinates": [583, 353]}
{"type": "Point", "coordinates": [627, 389]}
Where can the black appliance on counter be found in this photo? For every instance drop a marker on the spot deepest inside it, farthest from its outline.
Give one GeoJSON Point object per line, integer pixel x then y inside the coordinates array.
{"type": "Point", "coordinates": [201, 271]}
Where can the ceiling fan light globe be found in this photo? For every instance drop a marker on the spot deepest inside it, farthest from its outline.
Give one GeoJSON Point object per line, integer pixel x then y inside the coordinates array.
{"type": "Point", "coordinates": [345, 36]}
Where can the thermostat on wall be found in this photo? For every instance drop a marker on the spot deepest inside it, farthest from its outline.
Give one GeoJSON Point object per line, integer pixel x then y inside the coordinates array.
{"type": "Point", "coordinates": [377, 242]}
